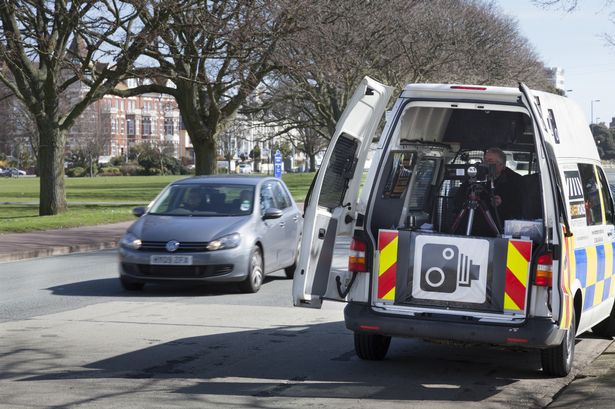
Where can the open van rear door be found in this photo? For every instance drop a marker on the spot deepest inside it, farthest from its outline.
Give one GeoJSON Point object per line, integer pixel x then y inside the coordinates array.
{"type": "Point", "coordinates": [330, 209]}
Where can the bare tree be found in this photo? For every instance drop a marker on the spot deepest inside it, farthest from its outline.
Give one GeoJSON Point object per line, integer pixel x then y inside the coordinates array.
{"type": "Point", "coordinates": [398, 42]}
{"type": "Point", "coordinates": [214, 54]}
{"type": "Point", "coordinates": [47, 74]}
{"type": "Point", "coordinates": [88, 137]}
{"type": "Point", "coordinates": [570, 6]}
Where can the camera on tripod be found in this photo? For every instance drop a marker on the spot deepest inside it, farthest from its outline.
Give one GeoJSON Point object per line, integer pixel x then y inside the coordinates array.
{"type": "Point", "coordinates": [477, 188]}
{"type": "Point", "coordinates": [471, 172]}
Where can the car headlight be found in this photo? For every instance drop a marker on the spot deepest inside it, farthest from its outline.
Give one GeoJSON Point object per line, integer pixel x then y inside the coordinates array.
{"type": "Point", "coordinates": [224, 242]}
{"type": "Point", "coordinates": [130, 241]}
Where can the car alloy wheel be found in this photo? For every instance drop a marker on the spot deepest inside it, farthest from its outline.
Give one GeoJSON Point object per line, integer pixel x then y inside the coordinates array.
{"type": "Point", "coordinates": [255, 277]}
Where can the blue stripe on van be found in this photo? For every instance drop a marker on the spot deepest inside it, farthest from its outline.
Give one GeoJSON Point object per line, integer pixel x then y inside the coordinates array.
{"type": "Point", "coordinates": [600, 257]}
{"type": "Point", "coordinates": [588, 302]}
{"type": "Point", "coordinates": [581, 264]}
{"type": "Point", "coordinates": [606, 289]}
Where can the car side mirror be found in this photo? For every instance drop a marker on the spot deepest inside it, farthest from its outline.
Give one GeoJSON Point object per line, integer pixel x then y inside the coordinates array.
{"type": "Point", "coordinates": [138, 211]}
{"type": "Point", "coordinates": [272, 213]}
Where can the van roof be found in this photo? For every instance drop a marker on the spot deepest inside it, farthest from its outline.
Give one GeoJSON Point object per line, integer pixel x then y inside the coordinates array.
{"type": "Point", "coordinates": [461, 91]}
{"type": "Point", "coordinates": [563, 120]}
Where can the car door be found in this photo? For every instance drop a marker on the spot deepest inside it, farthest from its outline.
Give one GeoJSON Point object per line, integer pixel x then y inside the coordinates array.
{"type": "Point", "coordinates": [290, 224]}
{"type": "Point", "coordinates": [273, 232]}
{"type": "Point", "coordinates": [331, 207]}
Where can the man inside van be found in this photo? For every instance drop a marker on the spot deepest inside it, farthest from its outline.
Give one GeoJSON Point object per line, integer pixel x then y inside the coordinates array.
{"type": "Point", "coordinates": [504, 204]}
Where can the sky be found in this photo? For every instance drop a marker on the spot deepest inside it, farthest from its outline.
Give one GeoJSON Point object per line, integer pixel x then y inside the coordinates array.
{"type": "Point", "coordinates": [571, 40]}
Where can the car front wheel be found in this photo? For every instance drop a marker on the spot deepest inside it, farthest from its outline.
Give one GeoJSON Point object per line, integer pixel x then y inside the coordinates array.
{"type": "Point", "coordinates": [256, 274]}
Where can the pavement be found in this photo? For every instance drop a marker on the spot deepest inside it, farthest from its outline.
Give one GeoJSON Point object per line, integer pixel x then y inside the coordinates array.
{"type": "Point", "coordinates": [591, 388]}
{"type": "Point", "coordinates": [20, 246]}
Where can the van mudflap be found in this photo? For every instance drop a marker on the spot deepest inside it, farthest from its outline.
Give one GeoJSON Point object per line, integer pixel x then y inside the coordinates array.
{"type": "Point", "coordinates": [535, 332]}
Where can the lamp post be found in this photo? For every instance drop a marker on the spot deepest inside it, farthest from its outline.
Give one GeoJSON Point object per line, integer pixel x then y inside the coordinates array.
{"type": "Point", "coordinates": [592, 109]}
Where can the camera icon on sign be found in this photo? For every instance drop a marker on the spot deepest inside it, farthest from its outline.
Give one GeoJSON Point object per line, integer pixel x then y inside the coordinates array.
{"type": "Point", "coordinates": [444, 269]}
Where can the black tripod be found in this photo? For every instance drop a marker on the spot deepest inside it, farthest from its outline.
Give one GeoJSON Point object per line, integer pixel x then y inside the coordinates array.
{"type": "Point", "coordinates": [472, 204]}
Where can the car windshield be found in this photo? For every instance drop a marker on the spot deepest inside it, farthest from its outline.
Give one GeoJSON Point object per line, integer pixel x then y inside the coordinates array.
{"type": "Point", "coordinates": [204, 200]}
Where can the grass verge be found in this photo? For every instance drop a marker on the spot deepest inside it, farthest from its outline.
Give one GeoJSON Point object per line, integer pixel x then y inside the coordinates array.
{"type": "Point", "coordinates": [98, 200]}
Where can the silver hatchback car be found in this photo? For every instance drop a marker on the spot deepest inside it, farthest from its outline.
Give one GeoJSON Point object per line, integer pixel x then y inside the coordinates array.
{"type": "Point", "coordinates": [213, 229]}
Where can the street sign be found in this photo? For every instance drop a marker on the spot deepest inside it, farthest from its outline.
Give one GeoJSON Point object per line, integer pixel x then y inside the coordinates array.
{"type": "Point", "coordinates": [277, 164]}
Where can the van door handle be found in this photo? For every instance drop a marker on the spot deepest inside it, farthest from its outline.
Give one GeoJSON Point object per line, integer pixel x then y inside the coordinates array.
{"type": "Point", "coordinates": [295, 218]}
{"type": "Point", "coordinates": [321, 233]}
{"type": "Point", "coordinates": [282, 224]}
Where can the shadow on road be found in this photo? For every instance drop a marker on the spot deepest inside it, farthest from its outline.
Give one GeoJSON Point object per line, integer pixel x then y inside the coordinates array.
{"type": "Point", "coordinates": [110, 287]}
{"type": "Point", "coordinates": [314, 361]}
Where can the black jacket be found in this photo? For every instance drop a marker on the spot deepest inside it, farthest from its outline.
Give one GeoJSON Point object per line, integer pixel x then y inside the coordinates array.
{"type": "Point", "coordinates": [509, 186]}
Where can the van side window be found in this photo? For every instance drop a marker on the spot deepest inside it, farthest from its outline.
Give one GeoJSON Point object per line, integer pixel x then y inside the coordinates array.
{"type": "Point", "coordinates": [592, 192]}
{"type": "Point", "coordinates": [607, 197]}
{"type": "Point", "coordinates": [400, 175]}
{"type": "Point", "coordinates": [553, 125]}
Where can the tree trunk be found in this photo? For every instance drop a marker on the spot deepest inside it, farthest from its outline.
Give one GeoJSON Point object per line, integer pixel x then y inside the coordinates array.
{"type": "Point", "coordinates": [205, 157]}
{"type": "Point", "coordinates": [312, 158]}
{"type": "Point", "coordinates": [51, 170]}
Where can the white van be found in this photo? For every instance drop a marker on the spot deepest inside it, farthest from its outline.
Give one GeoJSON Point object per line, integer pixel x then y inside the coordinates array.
{"type": "Point", "coordinates": [533, 276]}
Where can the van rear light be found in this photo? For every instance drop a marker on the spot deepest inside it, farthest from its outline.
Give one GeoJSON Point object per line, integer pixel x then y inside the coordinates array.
{"type": "Point", "coordinates": [472, 88]}
{"type": "Point", "coordinates": [356, 258]}
{"type": "Point", "coordinates": [544, 271]}
{"type": "Point", "coordinates": [369, 327]}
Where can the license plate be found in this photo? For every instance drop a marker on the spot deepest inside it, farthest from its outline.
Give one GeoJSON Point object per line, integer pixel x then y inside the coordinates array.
{"type": "Point", "coordinates": [171, 260]}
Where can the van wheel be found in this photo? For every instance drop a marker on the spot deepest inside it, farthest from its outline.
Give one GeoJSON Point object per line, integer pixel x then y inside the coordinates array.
{"type": "Point", "coordinates": [371, 347]}
{"type": "Point", "coordinates": [606, 328]}
{"type": "Point", "coordinates": [557, 361]}
{"type": "Point", "coordinates": [130, 285]}
{"type": "Point", "coordinates": [256, 274]}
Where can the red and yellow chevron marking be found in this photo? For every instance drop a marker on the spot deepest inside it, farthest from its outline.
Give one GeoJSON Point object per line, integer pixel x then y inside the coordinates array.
{"type": "Point", "coordinates": [387, 267]}
{"type": "Point", "coordinates": [517, 268]}
{"type": "Point", "coordinates": [568, 273]}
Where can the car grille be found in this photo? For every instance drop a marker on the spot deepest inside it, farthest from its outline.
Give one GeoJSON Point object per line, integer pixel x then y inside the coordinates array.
{"type": "Point", "coordinates": [189, 246]}
{"type": "Point", "coordinates": [153, 271]}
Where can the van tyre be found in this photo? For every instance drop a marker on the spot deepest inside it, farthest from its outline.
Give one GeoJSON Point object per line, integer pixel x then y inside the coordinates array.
{"type": "Point", "coordinates": [129, 285]}
{"type": "Point", "coordinates": [557, 361]}
{"type": "Point", "coordinates": [606, 328]}
{"type": "Point", "coordinates": [256, 274]}
{"type": "Point", "coordinates": [371, 347]}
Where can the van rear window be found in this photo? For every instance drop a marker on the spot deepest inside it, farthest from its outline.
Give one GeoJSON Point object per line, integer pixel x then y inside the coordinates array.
{"type": "Point", "coordinates": [339, 171]}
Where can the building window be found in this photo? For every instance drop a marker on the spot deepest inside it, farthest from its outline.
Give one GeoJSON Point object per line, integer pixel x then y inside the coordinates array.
{"type": "Point", "coordinates": [168, 126]}
{"type": "Point", "coordinates": [130, 125]}
{"type": "Point", "coordinates": [146, 126]}
{"type": "Point", "coordinates": [113, 125]}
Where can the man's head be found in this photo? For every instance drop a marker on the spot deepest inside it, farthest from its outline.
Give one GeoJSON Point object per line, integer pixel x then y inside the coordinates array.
{"type": "Point", "coordinates": [245, 195]}
{"type": "Point", "coordinates": [194, 198]}
{"type": "Point", "coordinates": [497, 157]}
